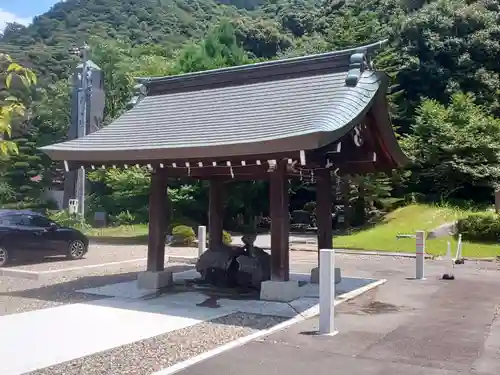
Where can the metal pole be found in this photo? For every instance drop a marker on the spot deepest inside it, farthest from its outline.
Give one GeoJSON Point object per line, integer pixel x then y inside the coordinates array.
{"type": "Point", "coordinates": [82, 125]}
{"type": "Point", "coordinates": [327, 292]}
{"type": "Point", "coordinates": [202, 239]}
{"type": "Point", "coordinates": [420, 255]}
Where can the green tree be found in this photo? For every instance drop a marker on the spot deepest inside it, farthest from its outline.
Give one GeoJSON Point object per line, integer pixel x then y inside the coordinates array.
{"type": "Point", "coordinates": [455, 149]}
{"type": "Point", "coordinates": [113, 57]}
{"type": "Point", "coordinates": [445, 47]}
{"type": "Point", "coordinates": [219, 49]}
{"type": "Point", "coordinates": [12, 108]}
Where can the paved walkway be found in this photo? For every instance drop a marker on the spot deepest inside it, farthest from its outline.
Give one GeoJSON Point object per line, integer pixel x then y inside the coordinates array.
{"type": "Point", "coordinates": [408, 327]}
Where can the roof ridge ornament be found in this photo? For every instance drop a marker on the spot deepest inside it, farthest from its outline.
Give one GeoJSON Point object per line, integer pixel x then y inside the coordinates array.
{"type": "Point", "coordinates": [140, 90]}
{"type": "Point", "coordinates": [358, 62]}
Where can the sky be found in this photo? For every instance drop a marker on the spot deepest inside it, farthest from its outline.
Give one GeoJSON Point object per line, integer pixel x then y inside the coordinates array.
{"type": "Point", "coordinates": [22, 11]}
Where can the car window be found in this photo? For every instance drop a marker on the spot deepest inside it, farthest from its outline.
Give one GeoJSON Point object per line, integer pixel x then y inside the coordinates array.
{"type": "Point", "coordinates": [13, 220]}
{"type": "Point", "coordinates": [39, 221]}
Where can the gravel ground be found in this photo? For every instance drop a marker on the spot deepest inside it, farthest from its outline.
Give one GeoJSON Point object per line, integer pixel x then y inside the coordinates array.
{"type": "Point", "coordinates": [21, 295]}
{"type": "Point", "coordinates": [147, 356]}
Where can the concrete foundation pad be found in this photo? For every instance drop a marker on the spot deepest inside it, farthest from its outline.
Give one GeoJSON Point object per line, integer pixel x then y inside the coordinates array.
{"type": "Point", "coordinates": [154, 279]}
{"type": "Point", "coordinates": [315, 275]}
{"type": "Point", "coordinates": [280, 291]}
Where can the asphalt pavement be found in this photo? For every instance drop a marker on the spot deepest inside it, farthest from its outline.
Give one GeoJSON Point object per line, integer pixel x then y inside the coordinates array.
{"type": "Point", "coordinates": [405, 326]}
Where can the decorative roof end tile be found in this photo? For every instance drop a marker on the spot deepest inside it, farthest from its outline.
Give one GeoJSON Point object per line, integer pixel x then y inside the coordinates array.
{"type": "Point", "coordinates": [140, 91]}
{"type": "Point", "coordinates": [357, 65]}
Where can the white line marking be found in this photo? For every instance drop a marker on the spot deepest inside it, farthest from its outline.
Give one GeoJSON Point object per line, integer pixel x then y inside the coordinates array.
{"type": "Point", "coordinates": [35, 275]}
{"type": "Point", "coordinates": [92, 266]}
{"type": "Point", "coordinates": [309, 313]}
{"type": "Point", "coordinates": [22, 274]}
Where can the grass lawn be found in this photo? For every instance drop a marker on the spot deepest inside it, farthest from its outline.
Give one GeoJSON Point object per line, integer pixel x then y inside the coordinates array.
{"type": "Point", "coordinates": [381, 237]}
{"type": "Point", "coordinates": [407, 220]}
{"type": "Point", "coordinates": [125, 231]}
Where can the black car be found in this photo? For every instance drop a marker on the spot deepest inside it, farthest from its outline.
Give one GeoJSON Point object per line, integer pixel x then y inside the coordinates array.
{"type": "Point", "coordinates": [29, 234]}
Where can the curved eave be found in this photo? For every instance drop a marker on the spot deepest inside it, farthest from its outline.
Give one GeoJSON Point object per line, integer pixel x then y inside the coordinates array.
{"type": "Point", "coordinates": [266, 147]}
{"type": "Point", "coordinates": [384, 125]}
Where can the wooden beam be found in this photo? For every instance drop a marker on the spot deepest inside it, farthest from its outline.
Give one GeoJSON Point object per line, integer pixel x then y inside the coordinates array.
{"type": "Point", "coordinates": [219, 161]}
{"type": "Point", "coordinates": [215, 212]}
{"type": "Point", "coordinates": [278, 188]}
{"type": "Point", "coordinates": [157, 222]}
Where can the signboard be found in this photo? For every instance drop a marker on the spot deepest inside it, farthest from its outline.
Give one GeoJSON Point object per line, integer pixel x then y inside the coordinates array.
{"type": "Point", "coordinates": [73, 206]}
{"type": "Point", "coordinates": [100, 219]}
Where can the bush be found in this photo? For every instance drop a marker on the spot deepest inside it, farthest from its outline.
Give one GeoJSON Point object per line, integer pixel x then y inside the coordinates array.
{"type": "Point", "coordinates": [183, 236]}
{"type": "Point", "coordinates": [481, 227]}
{"type": "Point", "coordinates": [227, 239]}
{"type": "Point", "coordinates": [65, 219]}
{"type": "Point", "coordinates": [123, 218]}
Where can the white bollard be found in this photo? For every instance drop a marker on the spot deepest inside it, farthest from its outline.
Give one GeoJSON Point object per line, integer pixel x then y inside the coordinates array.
{"type": "Point", "coordinates": [327, 292]}
{"type": "Point", "coordinates": [459, 259]}
{"type": "Point", "coordinates": [420, 255]}
{"type": "Point", "coordinates": [459, 248]}
{"type": "Point", "coordinates": [449, 259]}
{"type": "Point", "coordinates": [448, 272]}
{"type": "Point", "coordinates": [202, 239]}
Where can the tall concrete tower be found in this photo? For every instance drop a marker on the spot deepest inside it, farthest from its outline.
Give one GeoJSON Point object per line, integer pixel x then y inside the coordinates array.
{"type": "Point", "coordinates": [95, 102]}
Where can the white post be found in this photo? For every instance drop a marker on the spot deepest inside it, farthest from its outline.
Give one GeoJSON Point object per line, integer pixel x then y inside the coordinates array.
{"type": "Point", "coordinates": [449, 259]}
{"type": "Point", "coordinates": [202, 239]}
{"type": "Point", "coordinates": [460, 244]}
{"type": "Point", "coordinates": [458, 254]}
{"type": "Point", "coordinates": [420, 255]}
{"type": "Point", "coordinates": [327, 292]}
{"type": "Point", "coordinates": [449, 263]}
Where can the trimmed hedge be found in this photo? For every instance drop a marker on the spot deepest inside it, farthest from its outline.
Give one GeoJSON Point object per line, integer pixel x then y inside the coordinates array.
{"type": "Point", "coordinates": [481, 227]}
{"type": "Point", "coordinates": [183, 235]}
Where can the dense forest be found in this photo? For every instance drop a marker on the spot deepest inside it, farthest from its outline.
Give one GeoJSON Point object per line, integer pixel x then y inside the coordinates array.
{"type": "Point", "coordinates": [442, 58]}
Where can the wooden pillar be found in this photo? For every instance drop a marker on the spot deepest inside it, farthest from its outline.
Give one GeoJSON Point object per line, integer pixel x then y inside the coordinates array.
{"type": "Point", "coordinates": [157, 221]}
{"type": "Point", "coordinates": [215, 212]}
{"type": "Point", "coordinates": [280, 225]}
{"type": "Point", "coordinates": [324, 209]}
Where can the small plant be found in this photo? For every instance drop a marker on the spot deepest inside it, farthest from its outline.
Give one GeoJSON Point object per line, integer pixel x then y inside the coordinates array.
{"type": "Point", "coordinates": [124, 218]}
{"type": "Point", "coordinates": [65, 219]}
{"type": "Point", "coordinates": [227, 239]}
{"type": "Point", "coordinates": [182, 235]}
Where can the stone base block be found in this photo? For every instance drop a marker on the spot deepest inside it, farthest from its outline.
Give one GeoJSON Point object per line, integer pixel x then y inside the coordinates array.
{"type": "Point", "coordinates": [280, 291]}
{"type": "Point", "coordinates": [315, 275]}
{"type": "Point", "coordinates": [154, 279]}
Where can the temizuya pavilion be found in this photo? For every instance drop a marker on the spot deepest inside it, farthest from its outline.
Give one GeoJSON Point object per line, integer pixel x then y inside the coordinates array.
{"type": "Point", "coordinates": [307, 116]}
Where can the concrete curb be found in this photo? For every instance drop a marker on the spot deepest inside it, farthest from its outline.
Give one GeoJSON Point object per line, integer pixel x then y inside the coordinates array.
{"type": "Point", "coordinates": [309, 313]}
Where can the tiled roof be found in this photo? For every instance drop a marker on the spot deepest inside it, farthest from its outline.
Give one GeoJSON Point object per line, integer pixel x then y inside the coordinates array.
{"type": "Point", "coordinates": [296, 104]}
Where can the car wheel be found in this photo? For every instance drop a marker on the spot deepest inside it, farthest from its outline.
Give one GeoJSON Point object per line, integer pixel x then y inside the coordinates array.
{"type": "Point", "coordinates": [4, 256]}
{"type": "Point", "coordinates": [76, 249]}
